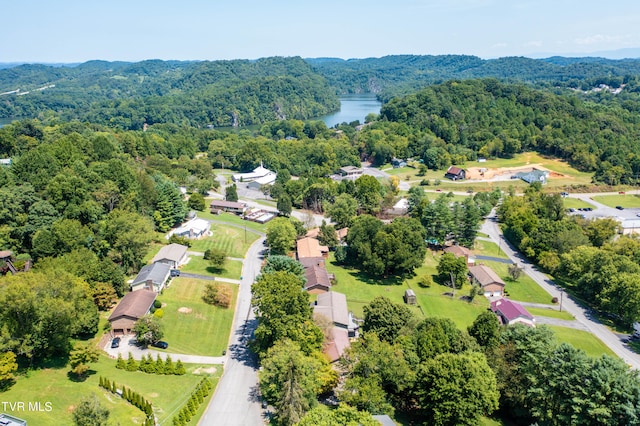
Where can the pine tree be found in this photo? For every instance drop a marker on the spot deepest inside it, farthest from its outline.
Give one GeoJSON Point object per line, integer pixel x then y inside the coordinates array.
{"type": "Point", "coordinates": [159, 365]}
{"type": "Point", "coordinates": [168, 366]}
{"type": "Point", "coordinates": [114, 389]}
{"type": "Point", "coordinates": [120, 364]}
{"type": "Point", "coordinates": [180, 370]}
{"type": "Point", "coordinates": [132, 365]}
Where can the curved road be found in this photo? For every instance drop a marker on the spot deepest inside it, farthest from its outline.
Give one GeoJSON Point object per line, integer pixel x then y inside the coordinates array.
{"type": "Point", "coordinates": [581, 314]}
{"type": "Point", "coordinates": [236, 400]}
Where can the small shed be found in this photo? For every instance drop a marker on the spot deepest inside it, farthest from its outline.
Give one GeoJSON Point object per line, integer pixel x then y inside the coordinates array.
{"type": "Point", "coordinates": [410, 297]}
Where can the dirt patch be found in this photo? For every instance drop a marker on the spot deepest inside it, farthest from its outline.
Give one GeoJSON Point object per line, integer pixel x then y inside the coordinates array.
{"type": "Point", "coordinates": [200, 316]}
{"type": "Point", "coordinates": [152, 395]}
{"type": "Point", "coordinates": [505, 173]}
{"type": "Point", "coordinates": [184, 310]}
{"type": "Point", "coordinates": [203, 370]}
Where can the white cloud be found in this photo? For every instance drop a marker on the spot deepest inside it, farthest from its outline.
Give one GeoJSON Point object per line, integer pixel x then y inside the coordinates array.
{"type": "Point", "coordinates": [499, 45]}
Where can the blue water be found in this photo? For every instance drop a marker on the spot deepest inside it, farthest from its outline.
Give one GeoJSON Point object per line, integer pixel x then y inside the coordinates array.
{"type": "Point", "coordinates": [352, 108]}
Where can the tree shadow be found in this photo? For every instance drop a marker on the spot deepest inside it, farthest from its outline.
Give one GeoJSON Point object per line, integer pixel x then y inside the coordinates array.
{"type": "Point", "coordinates": [80, 378]}
{"type": "Point", "coordinates": [371, 279]}
{"type": "Point", "coordinates": [214, 270]}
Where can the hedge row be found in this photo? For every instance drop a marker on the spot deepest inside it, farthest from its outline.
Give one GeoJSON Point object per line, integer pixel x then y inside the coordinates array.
{"type": "Point", "coordinates": [189, 409]}
{"type": "Point", "coordinates": [134, 398]}
{"type": "Point", "coordinates": [148, 365]}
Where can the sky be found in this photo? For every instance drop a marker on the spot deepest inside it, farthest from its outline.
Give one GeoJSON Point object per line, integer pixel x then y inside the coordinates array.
{"type": "Point", "coordinates": [66, 31]}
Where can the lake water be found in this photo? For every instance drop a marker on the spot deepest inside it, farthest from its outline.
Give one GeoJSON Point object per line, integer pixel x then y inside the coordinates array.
{"type": "Point", "coordinates": [352, 108]}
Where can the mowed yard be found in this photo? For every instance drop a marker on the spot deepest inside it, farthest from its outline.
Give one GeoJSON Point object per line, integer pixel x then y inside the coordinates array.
{"type": "Point", "coordinates": [190, 325]}
{"type": "Point", "coordinates": [167, 394]}
{"type": "Point", "coordinates": [232, 240]}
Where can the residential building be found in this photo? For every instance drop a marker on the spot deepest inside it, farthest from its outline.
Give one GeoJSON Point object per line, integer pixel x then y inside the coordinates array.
{"type": "Point", "coordinates": [490, 283]}
{"type": "Point", "coordinates": [455, 173]}
{"type": "Point", "coordinates": [173, 255]}
{"type": "Point", "coordinates": [396, 163]}
{"type": "Point", "coordinates": [310, 247]}
{"type": "Point", "coordinates": [131, 308]}
{"type": "Point", "coordinates": [217, 206]}
{"type": "Point", "coordinates": [510, 312]}
{"type": "Point", "coordinates": [152, 277]}
{"type": "Point", "coordinates": [350, 172]}
{"type": "Point", "coordinates": [333, 306]}
{"type": "Point", "coordinates": [193, 229]}
{"type": "Point", "coordinates": [534, 175]}
{"type": "Point", "coordinates": [459, 251]}
{"type": "Point", "coordinates": [318, 279]}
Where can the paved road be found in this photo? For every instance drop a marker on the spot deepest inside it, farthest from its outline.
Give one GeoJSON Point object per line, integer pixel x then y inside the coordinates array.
{"type": "Point", "coordinates": [582, 315]}
{"type": "Point", "coordinates": [236, 400]}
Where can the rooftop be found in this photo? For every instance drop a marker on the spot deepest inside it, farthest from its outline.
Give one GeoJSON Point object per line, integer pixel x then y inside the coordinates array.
{"type": "Point", "coordinates": [156, 272]}
{"type": "Point", "coordinates": [510, 309]}
{"type": "Point", "coordinates": [135, 304]}
{"type": "Point", "coordinates": [310, 247]}
{"type": "Point", "coordinates": [174, 252]}
{"type": "Point", "coordinates": [485, 275]}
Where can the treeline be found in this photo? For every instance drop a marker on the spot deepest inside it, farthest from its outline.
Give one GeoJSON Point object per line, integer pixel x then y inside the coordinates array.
{"type": "Point", "coordinates": [397, 75]}
{"type": "Point", "coordinates": [199, 94]}
{"type": "Point", "coordinates": [459, 121]}
{"type": "Point", "coordinates": [582, 254]}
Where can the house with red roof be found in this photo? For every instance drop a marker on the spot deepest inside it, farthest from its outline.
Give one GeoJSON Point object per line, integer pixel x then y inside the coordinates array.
{"type": "Point", "coordinates": [510, 312]}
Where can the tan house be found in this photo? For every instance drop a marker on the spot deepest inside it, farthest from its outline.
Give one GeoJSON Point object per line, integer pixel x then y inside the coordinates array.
{"type": "Point", "coordinates": [488, 280]}
{"type": "Point", "coordinates": [131, 308]}
{"type": "Point", "coordinates": [173, 255]}
{"type": "Point", "coordinates": [310, 247]}
{"type": "Point", "coordinates": [218, 206]}
{"type": "Point", "coordinates": [459, 251]}
{"type": "Point", "coordinates": [333, 306]}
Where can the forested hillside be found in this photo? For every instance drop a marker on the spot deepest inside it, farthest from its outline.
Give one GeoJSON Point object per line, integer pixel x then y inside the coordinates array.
{"type": "Point", "coordinates": [459, 120]}
{"type": "Point", "coordinates": [199, 94]}
{"type": "Point", "coordinates": [392, 76]}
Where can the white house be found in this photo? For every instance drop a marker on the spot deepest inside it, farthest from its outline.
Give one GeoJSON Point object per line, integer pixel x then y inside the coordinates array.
{"type": "Point", "coordinates": [194, 228]}
{"type": "Point", "coordinates": [173, 255]}
{"type": "Point", "coordinates": [268, 179]}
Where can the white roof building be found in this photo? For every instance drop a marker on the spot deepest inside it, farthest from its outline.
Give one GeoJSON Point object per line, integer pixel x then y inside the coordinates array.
{"type": "Point", "coordinates": [257, 173]}
{"type": "Point", "coordinates": [268, 179]}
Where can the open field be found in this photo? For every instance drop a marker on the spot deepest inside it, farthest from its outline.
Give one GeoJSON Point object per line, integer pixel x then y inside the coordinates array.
{"type": "Point", "coordinates": [192, 326]}
{"type": "Point", "coordinates": [575, 203]}
{"type": "Point", "coordinates": [198, 265]}
{"type": "Point", "coordinates": [624, 200]}
{"type": "Point", "coordinates": [234, 241]}
{"type": "Point", "coordinates": [166, 393]}
{"type": "Point", "coordinates": [230, 218]}
{"type": "Point", "coordinates": [582, 340]}
{"type": "Point", "coordinates": [562, 175]}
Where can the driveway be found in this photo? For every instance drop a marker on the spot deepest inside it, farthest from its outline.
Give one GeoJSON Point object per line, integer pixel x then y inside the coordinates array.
{"type": "Point", "coordinates": [128, 344]}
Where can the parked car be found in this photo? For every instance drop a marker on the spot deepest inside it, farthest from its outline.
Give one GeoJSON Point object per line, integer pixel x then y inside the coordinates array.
{"type": "Point", "coordinates": [175, 273]}
{"type": "Point", "coordinates": [619, 207]}
{"type": "Point", "coordinates": [160, 344]}
{"type": "Point", "coordinates": [115, 343]}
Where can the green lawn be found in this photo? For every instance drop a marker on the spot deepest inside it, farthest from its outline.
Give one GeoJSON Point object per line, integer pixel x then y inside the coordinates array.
{"type": "Point", "coordinates": [582, 340]}
{"type": "Point", "coordinates": [166, 393]}
{"type": "Point", "coordinates": [197, 265]}
{"type": "Point", "coordinates": [230, 218]}
{"type": "Point", "coordinates": [488, 248]}
{"type": "Point", "coordinates": [551, 313]}
{"type": "Point", "coordinates": [524, 289]}
{"type": "Point", "coordinates": [201, 329]}
{"type": "Point", "coordinates": [234, 241]}
{"type": "Point", "coordinates": [575, 203]}
{"type": "Point", "coordinates": [624, 200]}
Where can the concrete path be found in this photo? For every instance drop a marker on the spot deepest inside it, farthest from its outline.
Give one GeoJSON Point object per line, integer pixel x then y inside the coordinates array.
{"type": "Point", "coordinates": [561, 323]}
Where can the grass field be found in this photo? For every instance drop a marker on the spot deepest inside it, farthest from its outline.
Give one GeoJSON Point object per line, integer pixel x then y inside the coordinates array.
{"type": "Point", "coordinates": [624, 200]}
{"type": "Point", "coordinates": [234, 241]}
{"type": "Point", "coordinates": [198, 265]}
{"type": "Point", "coordinates": [551, 313]}
{"type": "Point", "coordinates": [575, 203]}
{"type": "Point", "coordinates": [166, 393]}
{"type": "Point", "coordinates": [202, 331]}
{"type": "Point", "coordinates": [582, 340]}
{"type": "Point", "coordinates": [231, 218]}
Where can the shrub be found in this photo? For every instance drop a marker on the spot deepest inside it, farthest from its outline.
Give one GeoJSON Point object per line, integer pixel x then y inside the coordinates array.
{"type": "Point", "coordinates": [425, 182]}
{"type": "Point", "coordinates": [157, 304]}
{"type": "Point", "coordinates": [159, 313]}
{"type": "Point", "coordinates": [554, 300]}
{"type": "Point", "coordinates": [425, 281]}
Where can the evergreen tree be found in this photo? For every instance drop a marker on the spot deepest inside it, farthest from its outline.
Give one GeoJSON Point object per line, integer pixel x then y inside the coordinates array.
{"type": "Point", "coordinates": [180, 370]}
{"type": "Point", "coordinates": [168, 366]}
{"type": "Point", "coordinates": [120, 364]}
{"type": "Point", "coordinates": [159, 365]}
{"type": "Point", "coordinates": [132, 365]}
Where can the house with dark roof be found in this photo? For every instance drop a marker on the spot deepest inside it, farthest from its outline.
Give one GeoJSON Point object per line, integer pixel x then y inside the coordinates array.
{"type": "Point", "coordinates": [152, 277]}
{"type": "Point", "coordinates": [131, 308]}
{"type": "Point", "coordinates": [173, 255]}
{"type": "Point", "coordinates": [350, 172]}
{"type": "Point", "coordinates": [490, 283]}
{"type": "Point", "coordinates": [455, 173]}
{"type": "Point", "coordinates": [396, 163]}
{"type": "Point", "coordinates": [318, 279]}
{"type": "Point", "coordinates": [218, 206]}
{"type": "Point", "coordinates": [510, 312]}
{"type": "Point", "coordinates": [459, 251]}
{"type": "Point", "coordinates": [532, 176]}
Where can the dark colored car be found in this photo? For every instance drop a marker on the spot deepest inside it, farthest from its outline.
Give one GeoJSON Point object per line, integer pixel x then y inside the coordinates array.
{"type": "Point", "coordinates": [115, 343]}
{"type": "Point", "coordinates": [619, 207]}
{"type": "Point", "coordinates": [175, 272]}
{"type": "Point", "coordinates": [160, 344]}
